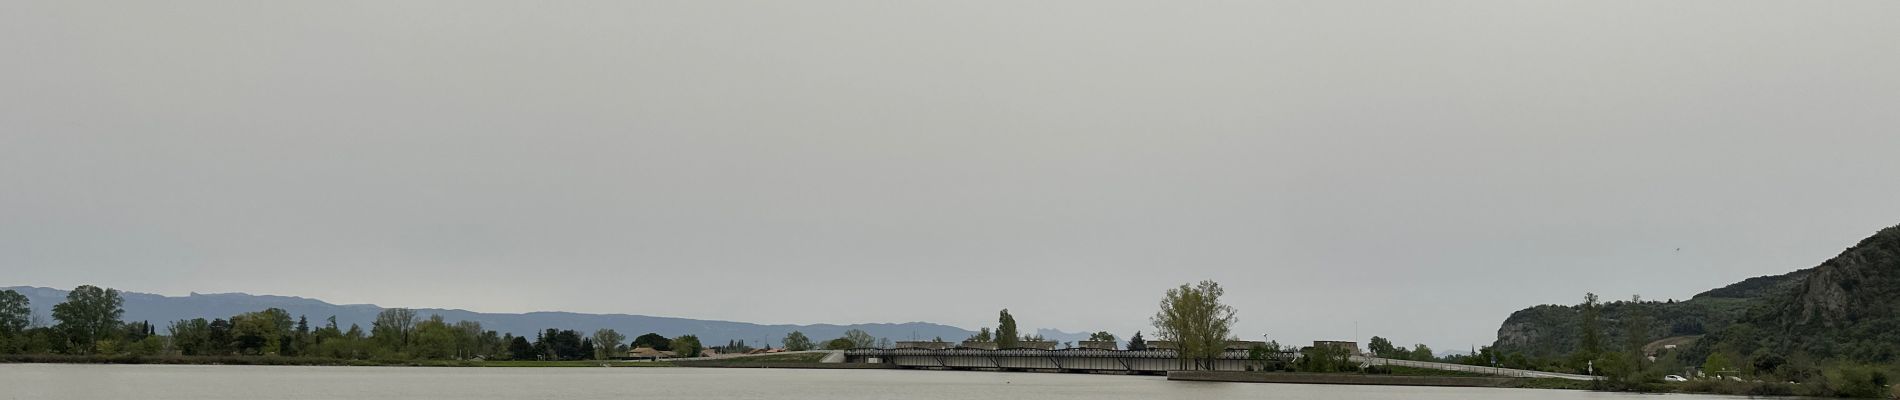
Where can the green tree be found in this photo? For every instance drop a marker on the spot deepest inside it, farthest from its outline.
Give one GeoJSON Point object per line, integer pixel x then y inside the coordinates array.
{"type": "Point", "coordinates": [520, 349]}
{"type": "Point", "coordinates": [393, 329]}
{"type": "Point", "coordinates": [838, 344]}
{"type": "Point", "coordinates": [687, 346]}
{"type": "Point", "coordinates": [15, 314]}
{"type": "Point", "coordinates": [1196, 321]}
{"type": "Point", "coordinates": [1421, 352]}
{"type": "Point", "coordinates": [982, 335]}
{"type": "Point", "coordinates": [191, 337]}
{"type": "Point", "coordinates": [492, 344]}
{"type": "Point", "coordinates": [1257, 354]}
{"type": "Point", "coordinates": [1592, 329]}
{"type": "Point", "coordinates": [1006, 334]}
{"type": "Point", "coordinates": [471, 341]}
{"type": "Point", "coordinates": [1381, 347]}
{"type": "Point", "coordinates": [653, 341]}
{"type": "Point", "coordinates": [261, 332]}
{"type": "Point", "coordinates": [796, 341]}
{"type": "Point", "coordinates": [90, 315]}
{"type": "Point", "coordinates": [1399, 353]}
{"type": "Point", "coordinates": [148, 346]}
{"type": "Point", "coordinates": [221, 339]}
{"type": "Point", "coordinates": [1326, 359]}
{"type": "Point", "coordinates": [1136, 342]}
{"type": "Point", "coordinates": [434, 339]}
{"type": "Point", "coordinates": [1102, 336]}
{"type": "Point", "coordinates": [607, 343]}
{"type": "Point", "coordinates": [39, 340]}
{"type": "Point", "coordinates": [300, 339]}
{"type": "Point", "coordinates": [561, 344]}
{"type": "Point", "coordinates": [860, 339]}
{"type": "Point", "coordinates": [1719, 363]}
{"type": "Point", "coordinates": [1637, 324]}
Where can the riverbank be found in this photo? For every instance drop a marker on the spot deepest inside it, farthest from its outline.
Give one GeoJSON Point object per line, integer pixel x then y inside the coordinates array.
{"type": "Point", "coordinates": [1340, 379]}
{"type": "Point", "coordinates": [785, 365]}
{"type": "Point", "coordinates": [304, 361]}
{"type": "Point", "coordinates": [1379, 380]}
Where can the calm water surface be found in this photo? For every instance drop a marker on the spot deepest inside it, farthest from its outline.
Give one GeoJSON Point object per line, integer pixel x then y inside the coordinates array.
{"type": "Point", "coordinates": [72, 382]}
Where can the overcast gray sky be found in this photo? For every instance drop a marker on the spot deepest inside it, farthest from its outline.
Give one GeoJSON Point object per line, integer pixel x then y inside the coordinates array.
{"type": "Point", "coordinates": [1421, 169]}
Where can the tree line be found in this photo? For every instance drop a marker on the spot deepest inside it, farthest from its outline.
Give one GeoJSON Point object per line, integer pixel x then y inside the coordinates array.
{"type": "Point", "coordinates": [89, 323]}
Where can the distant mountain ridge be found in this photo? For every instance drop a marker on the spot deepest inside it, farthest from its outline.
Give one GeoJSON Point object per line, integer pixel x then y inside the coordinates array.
{"type": "Point", "coordinates": [161, 310]}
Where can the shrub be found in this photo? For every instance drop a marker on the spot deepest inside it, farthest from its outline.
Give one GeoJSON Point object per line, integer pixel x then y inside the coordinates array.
{"type": "Point", "coordinates": [1858, 381]}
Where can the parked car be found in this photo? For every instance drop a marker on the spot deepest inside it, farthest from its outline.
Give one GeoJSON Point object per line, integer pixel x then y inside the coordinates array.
{"type": "Point", "coordinates": [1675, 378]}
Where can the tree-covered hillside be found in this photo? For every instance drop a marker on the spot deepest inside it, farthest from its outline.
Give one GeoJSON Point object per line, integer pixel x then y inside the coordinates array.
{"type": "Point", "coordinates": [1832, 323]}
{"type": "Point", "coordinates": [1847, 308]}
{"type": "Point", "coordinates": [1548, 331]}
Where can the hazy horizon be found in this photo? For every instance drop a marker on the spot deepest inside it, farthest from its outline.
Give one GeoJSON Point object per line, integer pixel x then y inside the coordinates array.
{"type": "Point", "coordinates": [1415, 170]}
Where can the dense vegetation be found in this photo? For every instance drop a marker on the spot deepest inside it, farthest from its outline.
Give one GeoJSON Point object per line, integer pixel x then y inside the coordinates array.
{"type": "Point", "coordinates": [87, 328]}
{"type": "Point", "coordinates": [1831, 330]}
{"type": "Point", "coordinates": [1193, 317]}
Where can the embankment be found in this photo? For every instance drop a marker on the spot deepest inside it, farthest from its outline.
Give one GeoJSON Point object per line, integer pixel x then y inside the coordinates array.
{"type": "Point", "coordinates": [1341, 379]}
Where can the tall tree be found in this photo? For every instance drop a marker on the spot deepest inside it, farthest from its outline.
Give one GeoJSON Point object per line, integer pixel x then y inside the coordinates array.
{"type": "Point", "coordinates": [434, 339]}
{"type": "Point", "coordinates": [1136, 342]}
{"type": "Point", "coordinates": [1381, 347]}
{"type": "Point", "coordinates": [561, 344]}
{"type": "Point", "coordinates": [796, 341]}
{"type": "Point", "coordinates": [607, 343]}
{"type": "Point", "coordinates": [519, 349]}
{"type": "Point", "coordinates": [300, 339]}
{"type": "Point", "coordinates": [1637, 325]}
{"type": "Point", "coordinates": [261, 332]}
{"type": "Point", "coordinates": [1006, 334]}
{"type": "Point", "coordinates": [860, 339]}
{"type": "Point", "coordinates": [15, 313]}
{"type": "Point", "coordinates": [1102, 336]}
{"type": "Point", "coordinates": [1196, 321]}
{"type": "Point", "coordinates": [472, 341]}
{"type": "Point", "coordinates": [219, 337]}
{"type": "Point", "coordinates": [394, 328]}
{"type": "Point", "coordinates": [1592, 329]}
{"type": "Point", "coordinates": [89, 315]}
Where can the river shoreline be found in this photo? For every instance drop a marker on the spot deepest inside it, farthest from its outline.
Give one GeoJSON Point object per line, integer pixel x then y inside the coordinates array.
{"type": "Point", "coordinates": [300, 361]}
{"type": "Point", "coordinates": [1343, 379]}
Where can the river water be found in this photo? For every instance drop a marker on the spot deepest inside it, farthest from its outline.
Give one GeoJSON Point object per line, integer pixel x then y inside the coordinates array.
{"type": "Point", "coordinates": [199, 382]}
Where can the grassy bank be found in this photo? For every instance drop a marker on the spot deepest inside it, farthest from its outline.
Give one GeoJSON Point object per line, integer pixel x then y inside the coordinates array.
{"type": "Point", "coordinates": [1550, 383]}
{"type": "Point", "coordinates": [574, 363]}
{"type": "Point", "coordinates": [309, 361]}
{"type": "Point", "coordinates": [219, 360]}
{"type": "Point", "coordinates": [1325, 378]}
{"type": "Point", "coordinates": [1415, 371]}
{"type": "Point", "coordinates": [754, 361]}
